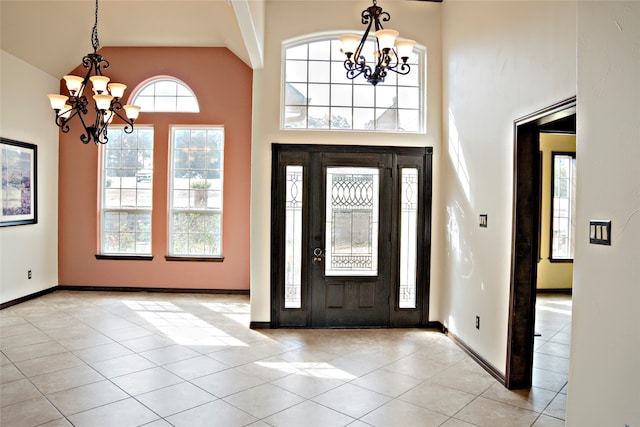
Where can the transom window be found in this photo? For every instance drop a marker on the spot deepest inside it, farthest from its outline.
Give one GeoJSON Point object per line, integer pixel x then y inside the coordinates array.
{"type": "Point", "coordinates": [166, 95]}
{"type": "Point", "coordinates": [318, 95]}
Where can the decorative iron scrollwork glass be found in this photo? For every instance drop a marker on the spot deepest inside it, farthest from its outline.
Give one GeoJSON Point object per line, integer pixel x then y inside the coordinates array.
{"type": "Point", "coordinates": [352, 218]}
{"type": "Point", "coordinates": [408, 237]}
{"type": "Point", "coordinates": [293, 237]}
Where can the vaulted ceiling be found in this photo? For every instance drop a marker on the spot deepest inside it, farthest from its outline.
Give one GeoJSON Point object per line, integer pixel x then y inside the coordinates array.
{"type": "Point", "coordinates": [54, 35]}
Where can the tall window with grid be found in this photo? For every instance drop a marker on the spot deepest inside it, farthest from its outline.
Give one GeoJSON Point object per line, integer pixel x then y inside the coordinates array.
{"type": "Point", "coordinates": [196, 183]}
{"type": "Point", "coordinates": [126, 192]}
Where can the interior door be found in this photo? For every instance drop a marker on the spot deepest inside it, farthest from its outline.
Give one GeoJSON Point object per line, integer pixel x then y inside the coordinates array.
{"type": "Point", "coordinates": [350, 236]}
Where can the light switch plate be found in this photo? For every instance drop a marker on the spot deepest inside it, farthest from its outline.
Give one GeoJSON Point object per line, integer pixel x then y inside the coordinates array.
{"type": "Point", "coordinates": [483, 220]}
{"type": "Point", "coordinates": [600, 232]}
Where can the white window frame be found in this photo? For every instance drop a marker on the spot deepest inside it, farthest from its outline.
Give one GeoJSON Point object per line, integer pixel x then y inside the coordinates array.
{"type": "Point", "coordinates": [191, 200]}
{"type": "Point", "coordinates": [419, 71]}
{"type": "Point", "coordinates": [143, 175]}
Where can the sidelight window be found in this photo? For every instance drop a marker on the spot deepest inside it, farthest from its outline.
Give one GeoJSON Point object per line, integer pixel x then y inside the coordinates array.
{"type": "Point", "coordinates": [563, 206]}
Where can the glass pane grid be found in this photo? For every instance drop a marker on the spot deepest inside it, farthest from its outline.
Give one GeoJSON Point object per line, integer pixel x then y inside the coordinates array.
{"type": "Point", "coordinates": [166, 95]}
{"type": "Point", "coordinates": [196, 201]}
{"type": "Point", "coordinates": [329, 108]}
{"type": "Point", "coordinates": [126, 194]}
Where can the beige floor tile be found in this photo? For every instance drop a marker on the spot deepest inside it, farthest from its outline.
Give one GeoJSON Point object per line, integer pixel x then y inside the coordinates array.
{"type": "Point", "coordinates": [102, 352]}
{"type": "Point", "coordinates": [551, 363]}
{"type": "Point", "coordinates": [557, 407]}
{"type": "Point", "coordinates": [47, 364]}
{"type": "Point", "coordinates": [269, 369]}
{"type": "Point", "coordinates": [15, 326]}
{"type": "Point", "coordinates": [313, 414]}
{"type": "Point", "coordinates": [32, 412]}
{"type": "Point", "coordinates": [488, 413]}
{"type": "Point", "coordinates": [237, 356]}
{"type": "Point", "coordinates": [79, 399]}
{"type": "Point", "coordinates": [60, 422]}
{"type": "Point", "coordinates": [399, 413]}
{"type": "Point", "coordinates": [217, 413]}
{"type": "Point", "coordinates": [4, 360]}
{"type": "Point", "coordinates": [387, 382]}
{"type": "Point", "coordinates": [352, 400]}
{"type": "Point", "coordinates": [17, 391]}
{"type": "Point", "coordinates": [146, 381]}
{"type": "Point", "coordinates": [308, 385]}
{"type": "Point", "coordinates": [66, 378]}
{"type": "Point", "coordinates": [419, 366]}
{"type": "Point", "coordinates": [263, 400]}
{"type": "Point", "coordinates": [169, 354]}
{"type": "Point", "coordinates": [9, 373]}
{"type": "Point", "coordinates": [464, 380]}
{"type": "Point", "coordinates": [85, 341]}
{"type": "Point", "coordinates": [438, 398]}
{"type": "Point", "coordinates": [149, 342]}
{"type": "Point", "coordinates": [452, 422]}
{"type": "Point", "coordinates": [33, 351]}
{"type": "Point", "coordinates": [535, 399]}
{"type": "Point", "coordinates": [124, 413]}
{"type": "Point", "coordinates": [227, 382]}
{"type": "Point", "coordinates": [546, 421]}
{"type": "Point", "coordinates": [123, 365]}
{"type": "Point", "coordinates": [21, 340]}
{"type": "Point", "coordinates": [196, 367]}
{"type": "Point", "coordinates": [548, 380]}
{"type": "Point", "coordinates": [173, 399]}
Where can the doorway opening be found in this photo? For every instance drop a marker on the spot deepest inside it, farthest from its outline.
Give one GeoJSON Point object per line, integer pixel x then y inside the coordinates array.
{"type": "Point", "coordinates": [351, 229]}
{"type": "Point", "coordinates": [560, 118]}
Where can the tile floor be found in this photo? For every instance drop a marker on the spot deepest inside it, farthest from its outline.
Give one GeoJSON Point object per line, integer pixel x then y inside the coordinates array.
{"type": "Point", "coordinates": [128, 359]}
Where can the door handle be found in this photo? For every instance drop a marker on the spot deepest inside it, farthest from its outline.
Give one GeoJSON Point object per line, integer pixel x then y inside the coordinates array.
{"type": "Point", "coordinates": [318, 255]}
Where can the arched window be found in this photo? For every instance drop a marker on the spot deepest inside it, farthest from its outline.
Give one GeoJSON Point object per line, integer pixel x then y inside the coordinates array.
{"type": "Point", "coordinates": [165, 95]}
{"type": "Point", "coordinates": [318, 95]}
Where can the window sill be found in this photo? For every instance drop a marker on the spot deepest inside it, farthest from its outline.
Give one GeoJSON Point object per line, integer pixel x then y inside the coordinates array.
{"type": "Point", "coordinates": [194, 258]}
{"type": "Point", "coordinates": [126, 257]}
{"type": "Point", "coordinates": [561, 260]}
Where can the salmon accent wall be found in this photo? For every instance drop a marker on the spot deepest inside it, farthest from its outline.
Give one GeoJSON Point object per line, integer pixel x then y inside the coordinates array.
{"type": "Point", "coordinates": [223, 86]}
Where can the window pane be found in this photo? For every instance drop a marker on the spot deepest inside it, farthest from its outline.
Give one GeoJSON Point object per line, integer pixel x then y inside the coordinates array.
{"type": "Point", "coordinates": [293, 236]}
{"type": "Point", "coordinates": [196, 191]}
{"type": "Point", "coordinates": [563, 206]}
{"type": "Point", "coordinates": [127, 189]}
{"type": "Point", "coordinates": [166, 95]}
{"type": "Point", "coordinates": [408, 237]}
{"type": "Point", "coordinates": [352, 222]}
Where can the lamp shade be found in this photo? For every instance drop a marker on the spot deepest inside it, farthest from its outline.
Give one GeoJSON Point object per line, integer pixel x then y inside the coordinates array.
{"type": "Point", "coordinates": [349, 43]}
{"type": "Point", "coordinates": [103, 102]}
{"type": "Point", "coordinates": [74, 83]}
{"type": "Point", "coordinates": [99, 83]}
{"type": "Point", "coordinates": [57, 101]}
{"type": "Point", "coordinates": [65, 112]}
{"type": "Point", "coordinates": [405, 47]}
{"type": "Point", "coordinates": [117, 89]}
{"type": "Point", "coordinates": [386, 38]}
{"type": "Point", "coordinates": [132, 111]}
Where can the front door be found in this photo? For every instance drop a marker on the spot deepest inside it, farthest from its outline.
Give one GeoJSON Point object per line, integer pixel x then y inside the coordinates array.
{"type": "Point", "coordinates": [350, 236]}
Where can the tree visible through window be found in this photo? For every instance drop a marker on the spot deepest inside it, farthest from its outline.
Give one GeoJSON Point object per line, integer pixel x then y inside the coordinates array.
{"type": "Point", "coordinates": [196, 170]}
{"type": "Point", "coordinates": [318, 94]}
{"type": "Point", "coordinates": [563, 206]}
{"type": "Point", "coordinates": [127, 182]}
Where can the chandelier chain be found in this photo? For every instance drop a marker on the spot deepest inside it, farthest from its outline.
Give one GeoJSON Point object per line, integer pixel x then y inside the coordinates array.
{"type": "Point", "coordinates": [94, 33]}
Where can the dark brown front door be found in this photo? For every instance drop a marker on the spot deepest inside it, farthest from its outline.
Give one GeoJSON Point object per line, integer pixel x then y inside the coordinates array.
{"type": "Point", "coordinates": [349, 247]}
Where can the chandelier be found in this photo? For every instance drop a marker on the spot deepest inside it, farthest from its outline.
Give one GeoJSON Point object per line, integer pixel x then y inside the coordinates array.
{"type": "Point", "coordinates": [388, 52]}
{"type": "Point", "coordinates": [106, 97]}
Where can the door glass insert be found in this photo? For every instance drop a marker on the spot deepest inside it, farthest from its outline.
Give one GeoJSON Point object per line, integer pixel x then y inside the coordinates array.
{"type": "Point", "coordinates": [293, 238]}
{"type": "Point", "coordinates": [352, 217]}
{"type": "Point", "coordinates": [408, 237]}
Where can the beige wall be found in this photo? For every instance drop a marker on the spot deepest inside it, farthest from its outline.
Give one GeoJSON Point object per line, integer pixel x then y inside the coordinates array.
{"type": "Point", "coordinates": [290, 19]}
{"type": "Point", "coordinates": [605, 341]}
{"type": "Point", "coordinates": [551, 275]}
{"type": "Point", "coordinates": [501, 61]}
{"type": "Point", "coordinates": [26, 116]}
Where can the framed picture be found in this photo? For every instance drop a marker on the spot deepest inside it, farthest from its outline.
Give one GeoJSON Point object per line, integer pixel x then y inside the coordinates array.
{"type": "Point", "coordinates": [18, 201]}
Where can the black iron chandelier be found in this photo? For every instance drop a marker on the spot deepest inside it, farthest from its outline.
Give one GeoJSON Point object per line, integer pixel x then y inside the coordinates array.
{"type": "Point", "coordinates": [106, 97]}
{"type": "Point", "coordinates": [388, 52]}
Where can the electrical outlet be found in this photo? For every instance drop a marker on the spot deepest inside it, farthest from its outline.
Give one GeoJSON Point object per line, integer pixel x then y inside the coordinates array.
{"type": "Point", "coordinates": [29, 274]}
{"type": "Point", "coordinates": [477, 322]}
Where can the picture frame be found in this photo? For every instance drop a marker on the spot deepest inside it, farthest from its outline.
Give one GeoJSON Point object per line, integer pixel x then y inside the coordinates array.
{"type": "Point", "coordinates": [18, 193]}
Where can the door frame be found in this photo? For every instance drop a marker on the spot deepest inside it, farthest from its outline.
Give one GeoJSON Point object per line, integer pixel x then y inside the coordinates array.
{"type": "Point", "coordinates": [302, 153]}
{"type": "Point", "coordinates": [559, 117]}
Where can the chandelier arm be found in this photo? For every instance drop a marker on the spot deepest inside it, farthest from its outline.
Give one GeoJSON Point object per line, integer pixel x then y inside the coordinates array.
{"type": "Point", "coordinates": [116, 107]}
